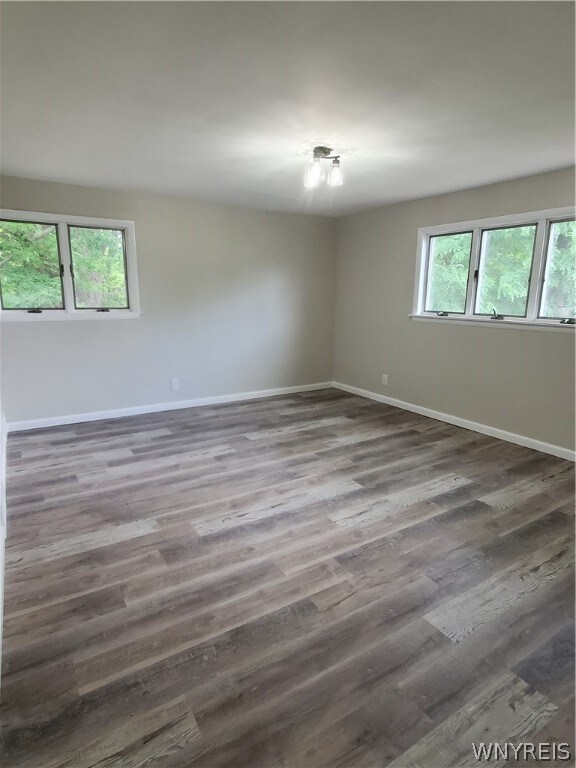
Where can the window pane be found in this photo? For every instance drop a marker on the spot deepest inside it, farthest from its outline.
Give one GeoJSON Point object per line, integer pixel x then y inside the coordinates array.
{"type": "Point", "coordinates": [559, 294]}
{"type": "Point", "coordinates": [29, 266]}
{"type": "Point", "coordinates": [99, 267]}
{"type": "Point", "coordinates": [448, 264]}
{"type": "Point", "coordinates": [504, 272]}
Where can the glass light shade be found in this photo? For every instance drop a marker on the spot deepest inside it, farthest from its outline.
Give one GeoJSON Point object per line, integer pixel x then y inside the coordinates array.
{"type": "Point", "coordinates": [314, 175]}
{"type": "Point", "coordinates": [335, 178]}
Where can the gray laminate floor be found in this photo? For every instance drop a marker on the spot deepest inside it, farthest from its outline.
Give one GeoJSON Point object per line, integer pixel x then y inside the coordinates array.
{"type": "Point", "coordinates": [311, 580]}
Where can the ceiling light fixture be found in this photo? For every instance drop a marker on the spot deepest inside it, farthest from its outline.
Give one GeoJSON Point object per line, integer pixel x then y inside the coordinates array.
{"type": "Point", "coordinates": [315, 175]}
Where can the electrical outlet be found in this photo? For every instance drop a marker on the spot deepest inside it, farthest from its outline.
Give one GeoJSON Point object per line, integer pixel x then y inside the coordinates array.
{"type": "Point", "coordinates": [384, 378]}
{"type": "Point", "coordinates": [175, 383]}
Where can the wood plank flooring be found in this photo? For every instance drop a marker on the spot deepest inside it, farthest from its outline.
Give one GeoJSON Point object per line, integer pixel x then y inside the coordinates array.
{"type": "Point", "coordinates": [306, 581]}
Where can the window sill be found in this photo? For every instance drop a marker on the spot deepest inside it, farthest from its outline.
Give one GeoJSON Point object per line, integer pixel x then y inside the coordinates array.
{"type": "Point", "coordinates": [518, 325]}
{"type": "Point", "coordinates": [10, 316]}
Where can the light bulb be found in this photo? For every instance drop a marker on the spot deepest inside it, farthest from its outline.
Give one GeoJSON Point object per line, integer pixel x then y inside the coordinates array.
{"type": "Point", "coordinates": [314, 174]}
{"type": "Point", "coordinates": [335, 178]}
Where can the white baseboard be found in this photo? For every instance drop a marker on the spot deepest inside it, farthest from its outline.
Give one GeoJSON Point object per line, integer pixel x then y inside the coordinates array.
{"type": "Point", "coordinates": [501, 434]}
{"type": "Point", "coordinates": [77, 418]}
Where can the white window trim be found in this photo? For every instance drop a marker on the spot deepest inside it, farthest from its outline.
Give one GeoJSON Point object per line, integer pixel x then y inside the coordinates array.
{"type": "Point", "coordinates": [70, 312]}
{"type": "Point", "coordinates": [531, 321]}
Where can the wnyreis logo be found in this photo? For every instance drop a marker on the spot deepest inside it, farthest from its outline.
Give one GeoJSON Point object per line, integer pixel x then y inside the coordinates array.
{"type": "Point", "coordinates": [524, 751]}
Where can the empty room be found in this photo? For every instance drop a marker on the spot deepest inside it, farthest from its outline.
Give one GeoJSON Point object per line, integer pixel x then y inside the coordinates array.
{"type": "Point", "coordinates": [288, 302]}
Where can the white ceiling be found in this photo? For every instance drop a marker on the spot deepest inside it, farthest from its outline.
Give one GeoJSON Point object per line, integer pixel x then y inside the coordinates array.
{"type": "Point", "coordinates": [218, 101]}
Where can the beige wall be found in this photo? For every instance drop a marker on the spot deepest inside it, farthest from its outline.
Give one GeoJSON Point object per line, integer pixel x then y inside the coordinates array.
{"type": "Point", "coordinates": [233, 301]}
{"type": "Point", "coordinates": [521, 381]}
{"type": "Point", "coordinates": [236, 300]}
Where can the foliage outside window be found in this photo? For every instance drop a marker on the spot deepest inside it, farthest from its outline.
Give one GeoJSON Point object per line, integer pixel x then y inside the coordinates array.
{"type": "Point", "coordinates": [98, 268]}
{"type": "Point", "coordinates": [521, 271]}
{"type": "Point", "coordinates": [67, 267]}
{"type": "Point", "coordinates": [559, 294]}
{"type": "Point", "coordinates": [449, 262]}
{"type": "Point", "coordinates": [504, 271]}
{"type": "Point", "coordinates": [30, 274]}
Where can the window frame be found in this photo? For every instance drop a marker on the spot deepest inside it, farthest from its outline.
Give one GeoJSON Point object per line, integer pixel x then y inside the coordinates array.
{"type": "Point", "coordinates": [60, 270]}
{"type": "Point", "coordinates": [427, 274]}
{"type": "Point", "coordinates": [542, 273]}
{"type": "Point", "coordinates": [482, 253]}
{"type": "Point", "coordinates": [124, 264]}
{"type": "Point", "coordinates": [542, 219]}
{"type": "Point", "coordinates": [69, 310]}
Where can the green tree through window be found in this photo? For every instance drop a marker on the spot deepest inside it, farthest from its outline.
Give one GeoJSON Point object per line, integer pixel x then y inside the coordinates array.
{"type": "Point", "coordinates": [559, 296]}
{"type": "Point", "coordinates": [520, 268]}
{"type": "Point", "coordinates": [99, 268]}
{"type": "Point", "coordinates": [504, 272]}
{"type": "Point", "coordinates": [29, 266]}
{"type": "Point", "coordinates": [36, 272]}
{"type": "Point", "coordinates": [448, 272]}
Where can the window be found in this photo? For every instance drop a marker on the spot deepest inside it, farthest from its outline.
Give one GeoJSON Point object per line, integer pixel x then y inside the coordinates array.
{"type": "Point", "coordinates": [558, 298]}
{"type": "Point", "coordinates": [504, 271]}
{"type": "Point", "coordinates": [517, 270]}
{"type": "Point", "coordinates": [31, 275]}
{"type": "Point", "coordinates": [449, 264]}
{"type": "Point", "coordinates": [66, 267]}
